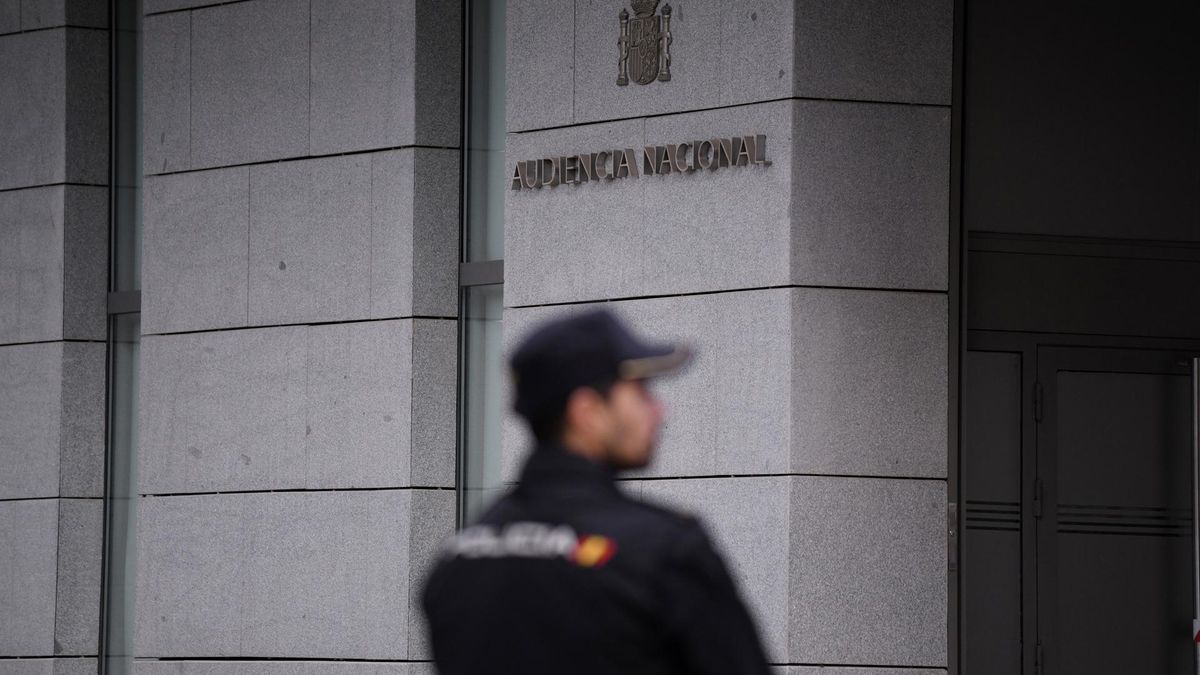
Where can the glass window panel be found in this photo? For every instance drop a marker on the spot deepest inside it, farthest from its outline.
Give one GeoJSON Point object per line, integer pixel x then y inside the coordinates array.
{"type": "Point", "coordinates": [482, 398]}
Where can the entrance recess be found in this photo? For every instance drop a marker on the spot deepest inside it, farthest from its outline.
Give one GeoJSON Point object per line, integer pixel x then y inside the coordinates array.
{"type": "Point", "coordinates": [1079, 487]}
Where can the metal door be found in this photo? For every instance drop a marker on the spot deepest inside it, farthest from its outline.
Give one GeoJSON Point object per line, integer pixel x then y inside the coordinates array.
{"type": "Point", "coordinates": [1078, 482]}
{"type": "Point", "coordinates": [1114, 512]}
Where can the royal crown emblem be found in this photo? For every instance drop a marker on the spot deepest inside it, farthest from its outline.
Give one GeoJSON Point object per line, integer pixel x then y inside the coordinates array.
{"type": "Point", "coordinates": [645, 44]}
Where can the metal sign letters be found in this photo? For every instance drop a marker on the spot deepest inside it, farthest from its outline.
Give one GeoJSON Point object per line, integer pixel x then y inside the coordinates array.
{"type": "Point", "coordinates": [645, 44]}
{"type": "Point", "coordinates": [686, 157]}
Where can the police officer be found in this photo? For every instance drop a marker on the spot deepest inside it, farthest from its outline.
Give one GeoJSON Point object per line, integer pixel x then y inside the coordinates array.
{"type": "Point", "coordinates": [566, 574]}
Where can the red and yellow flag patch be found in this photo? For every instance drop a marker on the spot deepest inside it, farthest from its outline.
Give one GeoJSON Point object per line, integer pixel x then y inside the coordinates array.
{"type": "Point", "coordinates": [593, 550]}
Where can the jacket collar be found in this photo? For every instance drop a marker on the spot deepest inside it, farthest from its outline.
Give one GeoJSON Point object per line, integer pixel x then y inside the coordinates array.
{"type": "Point", "coordinates": [552, 468]}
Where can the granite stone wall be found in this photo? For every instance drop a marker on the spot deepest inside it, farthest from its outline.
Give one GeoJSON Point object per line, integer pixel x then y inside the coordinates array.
{"type": "Point", "coordinates": [299, 335]}
{"type": "Point", "coordinates": [810, 432]}
{"type": "Point", "coordinates": [53, 280]}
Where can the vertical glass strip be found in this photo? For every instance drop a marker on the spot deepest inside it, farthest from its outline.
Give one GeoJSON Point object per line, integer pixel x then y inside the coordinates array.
{"type": "Point", "coordinates": [124, 337]}
{"type": "Point", "coordinates": [485, 182]}
{"type": "Point", "coordinates": [481, 360]}
{"type": "Point", "coordinates": [483, 390]}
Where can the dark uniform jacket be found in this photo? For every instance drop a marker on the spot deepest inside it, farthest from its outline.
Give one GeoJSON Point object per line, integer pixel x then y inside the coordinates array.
{"type": "Point", "coordinates": [566, 575]}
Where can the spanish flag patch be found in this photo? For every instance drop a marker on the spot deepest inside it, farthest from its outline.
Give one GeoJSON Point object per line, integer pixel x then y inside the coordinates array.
{"type": "Point", "coordinates": [593, 550]}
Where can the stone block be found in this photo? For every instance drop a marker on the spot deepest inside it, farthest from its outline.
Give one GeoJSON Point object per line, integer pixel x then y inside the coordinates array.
{"type": "Point", "coordinates": [297, 575]}
{"type": "Point", "coordinates": [851, 670]}
{"type": "Point", "coordinates": [871, 195]}
{"type": "Point", "coordinates": [392, 221]}
{"type": "Point", "coordinates": [28, 546]}
{"type": "Point", "coordinates": [52, 283]}
{"type": "Point", "coordinates": [729, 411]}
{"type": "Point", "coordinates": [310, 240]}
{"type": "Point", "coordinates": [434, 402]}
{"type": "Point", "coordinates": [874, 50]}
{"type": "Point", "coordinates": [232, 667]}
{"type": "Point", "coordinates": [540, 64]}
{"type": "Point", "coordinates": [869, 385]}
{"type": "Point", "coordinates": [85, 271]}
{"type": "Point", "coordinates": [10, 19]}
{"type": "Point", "coordinates": [250, 82]}
{"type": "Point", "coordinates": [834, 670]}
{"type": "Point", "coordinates": [363, 60]}
{"type": "Point", "coordinates": [222, 411]}
{"type": "Point", "coordinates": [65, 666]}
{"type": "Point", "coordinates": [722, 54]}
{"type": "Point", "coordinates": [166, 92]}
{"type": "Point", "coordinates": [36, 14]}
{"type": "Point", "coordinates": [748, 520]}
{"type": "Point", "coordinates": [31, 264]}
{"type": "Point", "coordinates": [384, 74]}
{"type": "Point", "coordinates": [438, 87]}
{"type": "Point", "coordinates": [159, 6]}
{"type": "Point", "coordinates": [433, 513]}
{"type": "Point", "coordinates": [33, 70]}
{"type": "Point", "coordinates": [359, 404]}
{"type": "Point", "coordinates": [435, 235]}
{"type": "Point", "coordinates": [77, 604]}
{"type": "Point", "coordinates": [867, 567]}
{"type": "Point", "coordinates": [657, 234]}
{"type": "Point", "coordinates": [81, 434]}
{"type": "Point", "coordinates": [87, 105]}
{"type": "Point", "coordinates": [194, 251]}
{"type": "Point", "coordinates": [30, 422]}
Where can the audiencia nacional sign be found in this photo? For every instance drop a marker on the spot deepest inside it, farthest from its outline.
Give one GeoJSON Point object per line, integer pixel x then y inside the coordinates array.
{"type": "Point", "coordinates": [622, 163]}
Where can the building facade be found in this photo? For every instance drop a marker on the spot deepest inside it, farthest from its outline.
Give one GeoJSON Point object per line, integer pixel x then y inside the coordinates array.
{"type": "Point", "coordinates": [260, 261]}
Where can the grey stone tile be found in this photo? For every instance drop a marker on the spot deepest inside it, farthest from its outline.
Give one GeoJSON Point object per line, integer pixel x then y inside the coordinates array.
{"type": "Point", "coordinates": [31, 264]}
{"type": "Point", "coordinates": [869, 383]}
{"type": "Point", "coordinates": [250, 71]}
{"type": "Point", "coordinates": [363, 75]}
{"type": "Point", "coordinates": [155, 6]}
{"type": "Point", "coordinates": [432, 524]}
{"type": "Point", "coordinates": [77, 605]}
{"type": "Point", "coordinates": [414, 233]}
{"type": "Point", "coordinates": [81, 446]}
{"type": "Point", "coordinates": [299, 575]}
{"type": "Point", "coordinates": [722, 53]}
{"type": "Point", "coordinates": [875, 50]}
{"type": "Point", "coordinates": [834, 670]}
{"type": "Point", "coordinates": [166, 92]}
{"type": "Point", "coordinates": [837, 670]}
{"type": "Point", "coordinates": [52, 13]}
{"type": "Point", "coordinates": [10, 16]}
{"type": "Point", "coordinates": [85, 272]}
{"type": "Point", "coordinates": [34, 135]}
{"type": "Point", "coordinates": [232, 667]}
{"type": "Point", "coordinates": [64, 666]}
{"type": "Point", "coordinates": [310, 240]}
{"type": "Point", "coordinates": [434, 392]}
{"type": "Point", "coordinates": [222, 411]}
{"type": "Point", "coordinates": [871, 198]}
{"type": "Point", "coordinates": [728, 413]}
{"type": "Point", "coordinates": [194, 255]}
{"type": "Point", "coordinates": [359, 407]}
{"type": "Point", "coordinates": [748, 519]}
{"type": "Point", "coordinates": [540, 64]}
{"type": "Point", "coordinates": [87, 109]}
{"type": "Point", "coordinates": [77, 666]}
{"type": "Point", "coordinates": [657, 234]}
{"type": "Point", "coordinates": [30, 426]}
{"type": "Point", "coordinates": [435, 236]}
{"type": "Point", "coordinates": [438, 89]}
{"type": "Point", "coordinates": [868, 571]}
{"type": "Point", "coordinates": [28, 536]}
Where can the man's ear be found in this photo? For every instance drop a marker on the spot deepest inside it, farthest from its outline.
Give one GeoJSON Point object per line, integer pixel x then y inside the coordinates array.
{"type": "Point", "coordinates": [580, 411]}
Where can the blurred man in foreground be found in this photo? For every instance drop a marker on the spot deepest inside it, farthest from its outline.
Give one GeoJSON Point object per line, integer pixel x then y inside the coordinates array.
{"type": "Point", "coordinates": [566, 574]}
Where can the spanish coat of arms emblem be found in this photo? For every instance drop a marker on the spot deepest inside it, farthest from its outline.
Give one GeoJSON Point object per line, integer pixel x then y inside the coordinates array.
{"type": "Point", "coordinates": [645, 44]}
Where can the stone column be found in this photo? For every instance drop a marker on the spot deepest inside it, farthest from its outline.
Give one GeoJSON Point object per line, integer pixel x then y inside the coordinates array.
{"type": "Point", "coordinates": [299, 331]}
{"type": "Point", "coordinates": [53, 283]}
{"type": "Point", "coordinates": [811, 431]}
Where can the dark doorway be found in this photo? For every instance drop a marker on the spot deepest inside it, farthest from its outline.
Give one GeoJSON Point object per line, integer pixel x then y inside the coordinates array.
{"type": "Point", "coordinates": [1080, 196]}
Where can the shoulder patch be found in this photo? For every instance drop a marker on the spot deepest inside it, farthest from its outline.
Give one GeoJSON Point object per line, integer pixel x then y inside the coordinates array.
{"type": "Point", "coordinates": [533, 540]}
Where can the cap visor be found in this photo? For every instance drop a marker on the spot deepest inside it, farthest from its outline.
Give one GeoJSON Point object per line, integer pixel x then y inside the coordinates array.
{"type": "Point", "coordinates": [674, 358]}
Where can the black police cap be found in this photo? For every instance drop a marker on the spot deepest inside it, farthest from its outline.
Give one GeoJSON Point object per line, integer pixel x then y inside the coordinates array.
{"type": "Point", "coordinates": [583, 350]}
